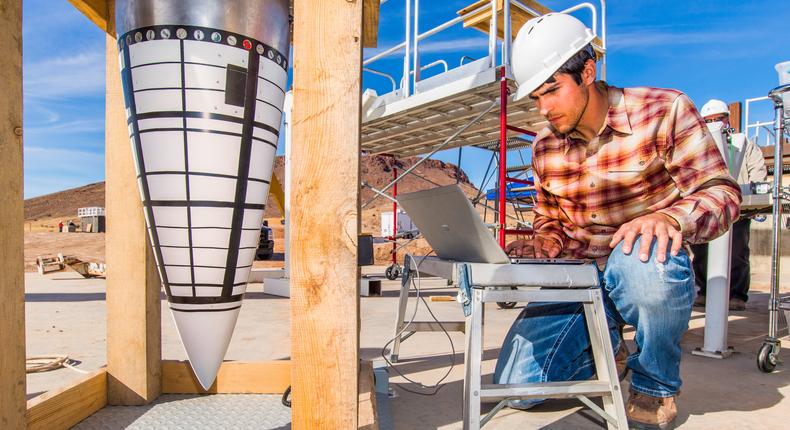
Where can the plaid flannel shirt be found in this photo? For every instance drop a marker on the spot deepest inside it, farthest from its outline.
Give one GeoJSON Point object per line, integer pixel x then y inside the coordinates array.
{"type": "Point", "coordinates": [653, 154]}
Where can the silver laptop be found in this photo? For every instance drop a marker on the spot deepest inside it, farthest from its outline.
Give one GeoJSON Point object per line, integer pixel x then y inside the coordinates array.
{"type": "Point", "coordinates": [454, 230]}
{"type": "Point", "coordinates": [451, 225]}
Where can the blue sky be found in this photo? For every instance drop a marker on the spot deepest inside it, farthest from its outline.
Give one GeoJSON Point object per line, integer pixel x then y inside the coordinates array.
{"type": "Point", "coordinates": [722, 49]}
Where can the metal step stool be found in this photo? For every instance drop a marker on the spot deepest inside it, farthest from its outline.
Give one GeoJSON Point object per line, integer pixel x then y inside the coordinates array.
{"type": "Point", "coordinates": [482, 283]}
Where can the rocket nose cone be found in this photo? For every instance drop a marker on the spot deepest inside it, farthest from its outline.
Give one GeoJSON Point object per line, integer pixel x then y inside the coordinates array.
{"type": "Point", "coordinates": [205, 336]}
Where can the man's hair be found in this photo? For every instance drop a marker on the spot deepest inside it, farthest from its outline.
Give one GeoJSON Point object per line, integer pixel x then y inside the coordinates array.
{"type": "Point", "coordinates": [575, 65]}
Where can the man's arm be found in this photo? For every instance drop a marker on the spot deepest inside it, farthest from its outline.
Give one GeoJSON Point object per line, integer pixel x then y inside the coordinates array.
{"type": "Point", "coordinates": [710, 197]}
{"type": "Point", "coordinates": [755, 163]}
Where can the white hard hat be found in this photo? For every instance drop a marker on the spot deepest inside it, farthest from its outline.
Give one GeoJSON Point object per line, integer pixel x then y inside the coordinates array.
{"type": "Point", "coordinates": [542, 46]}
{"type": "Point", "coordinates": [714, 107]}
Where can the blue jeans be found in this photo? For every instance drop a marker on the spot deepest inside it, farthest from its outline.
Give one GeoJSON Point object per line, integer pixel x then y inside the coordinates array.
{"type": "Point", "coordinates": [549, 341]}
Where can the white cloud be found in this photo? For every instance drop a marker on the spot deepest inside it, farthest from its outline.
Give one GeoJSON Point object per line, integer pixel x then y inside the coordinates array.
{"type": "Point", "coordinates": [78, 75]}
{"type": "Point", "coordinates": [67, 127]}
{"type": "Point", "coordinates": [642, 38]}
{"type": "Point", "coordinates": [465, 45]}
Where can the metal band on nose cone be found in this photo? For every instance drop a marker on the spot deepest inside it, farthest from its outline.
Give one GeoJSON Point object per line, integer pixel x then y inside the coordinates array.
{"type": "Point", "coordinates": [204, 84]}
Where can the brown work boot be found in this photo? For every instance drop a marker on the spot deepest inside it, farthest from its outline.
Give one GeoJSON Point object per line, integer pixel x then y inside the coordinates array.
{"type": "Point", "coordinates": [651, 413]}
{"type": "Point", "coordinates": [737, 304]}
{"type": "Point", "coordinates": [699, 302]}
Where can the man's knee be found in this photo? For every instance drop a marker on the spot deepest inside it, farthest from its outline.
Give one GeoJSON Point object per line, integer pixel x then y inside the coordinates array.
{"type": "Point", "coordinates": [650, 283]}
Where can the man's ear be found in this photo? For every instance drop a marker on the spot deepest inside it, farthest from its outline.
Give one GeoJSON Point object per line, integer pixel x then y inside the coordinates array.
{"type": "Point", "coordinates": [589, 72]}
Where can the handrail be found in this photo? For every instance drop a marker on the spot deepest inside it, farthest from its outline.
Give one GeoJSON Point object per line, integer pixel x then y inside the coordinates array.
{"type": "Point", "coordinates": [413, 36]}
{"type": "Point", "coordinates": [376, 72]}
{"type": "Point", "coordinates": [429, 65]}
{"type": "Point", "coordinates": [466, 57]}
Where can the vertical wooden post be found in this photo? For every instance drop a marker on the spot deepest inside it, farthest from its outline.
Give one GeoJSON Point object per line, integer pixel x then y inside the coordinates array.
{"type": "Point", "coordinates": [134, 339]}
{"type": "Point", "coordinates": [12, 280]}
{"type": "Point", "coordinates": [325, 213]}
{"type": "Point", "coordinates": [735, 116]}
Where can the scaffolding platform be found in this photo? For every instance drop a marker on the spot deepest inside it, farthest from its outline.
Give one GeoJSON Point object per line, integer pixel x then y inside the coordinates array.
{"type": "Point", "coordinates": [442, 105]}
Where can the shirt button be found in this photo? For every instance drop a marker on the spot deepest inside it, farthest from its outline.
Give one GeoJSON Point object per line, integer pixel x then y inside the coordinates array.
{"type": "Point", "coordinates": [592, 184]}
{"type": "Point", "coordinates": [593, 216]}
{"type": "Point", "coordinates": [594, 248]}
{"type": "Point", "coordinates": [548, 184]}
{"type": "Point", "coordinates": [642, 163]}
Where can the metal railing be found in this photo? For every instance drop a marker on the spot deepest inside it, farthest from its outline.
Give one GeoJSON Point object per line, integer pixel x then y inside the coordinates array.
{"type": "Point", "coordinates": [411, 45]}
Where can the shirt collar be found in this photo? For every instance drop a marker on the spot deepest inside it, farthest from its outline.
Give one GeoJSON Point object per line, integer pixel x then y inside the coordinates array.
{"type": "Point", "coordinates": [617, 117]}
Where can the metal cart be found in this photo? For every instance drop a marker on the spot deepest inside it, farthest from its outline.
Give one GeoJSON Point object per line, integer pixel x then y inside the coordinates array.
{"type": "Point", "coordinates": [768, 356]}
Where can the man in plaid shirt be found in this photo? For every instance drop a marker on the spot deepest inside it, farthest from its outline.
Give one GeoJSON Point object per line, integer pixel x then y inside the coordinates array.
{"type": "Point", "coordinates": [624, 176]}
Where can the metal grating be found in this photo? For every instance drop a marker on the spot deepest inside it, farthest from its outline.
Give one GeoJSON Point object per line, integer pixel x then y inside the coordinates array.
{"type": "Point", "coordinates": [179, 411]}
{"type": "Point", "coordinates": [420, 123]}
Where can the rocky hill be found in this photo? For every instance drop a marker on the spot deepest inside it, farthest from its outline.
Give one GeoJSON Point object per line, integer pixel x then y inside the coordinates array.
{"type": "Point", "coordinates": [375, 170]}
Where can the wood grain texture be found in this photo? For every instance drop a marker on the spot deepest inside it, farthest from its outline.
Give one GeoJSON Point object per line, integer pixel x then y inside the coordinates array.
{"type": "Point", "coordinates": [234, 377]}
{"type": "Point", "coordinates": [370, 23]}
{"type": "Point", "coordinates": [134, 343]}
{"type": "Point", "coordinates": [12, 281]}
{"type": "Point", "coordinates": [735, 116]}
{"type": "Point", "coordinates": [325, 213]}
{"type": "Point", "coordinates": [94, 10]}
{"type": "Point", "coordinates": [65, 407]}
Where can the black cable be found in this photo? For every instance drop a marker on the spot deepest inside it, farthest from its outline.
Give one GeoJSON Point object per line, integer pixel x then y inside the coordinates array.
{"type": "Point", "coordinates": [286, 400]}
{"type": "Point", "coordinates": [438, 385]}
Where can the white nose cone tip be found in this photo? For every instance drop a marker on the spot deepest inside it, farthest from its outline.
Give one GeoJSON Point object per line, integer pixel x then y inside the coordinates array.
{"type": "Point", "coordinates": [206, 335]}
{"type": "Point", "coordinates": [203, 107]}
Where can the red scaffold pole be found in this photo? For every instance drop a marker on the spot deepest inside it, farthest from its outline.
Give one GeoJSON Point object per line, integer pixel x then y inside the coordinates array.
{"type": "Point", "coordinates": [502, 154]}
{"type": "Point", "coordinates": [394, 215]}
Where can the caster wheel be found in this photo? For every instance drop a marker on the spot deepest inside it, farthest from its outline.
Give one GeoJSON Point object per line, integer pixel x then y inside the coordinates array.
{"type": "Point", "coordinates": [506, 305]}
{"type": "Point", "coordinates": [766, 359]}
{"type": "Point", "coordinates": [392, 272]}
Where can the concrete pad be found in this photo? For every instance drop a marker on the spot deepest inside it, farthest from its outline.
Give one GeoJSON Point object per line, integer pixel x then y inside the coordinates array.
{"type": "Point", "coordinates": [717, 394]}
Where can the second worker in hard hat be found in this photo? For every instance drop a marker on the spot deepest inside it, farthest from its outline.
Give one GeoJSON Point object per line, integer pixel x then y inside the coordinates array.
{"type": "Point", "coordinates": [625, 176]}
{"type": "Point", "coordinates": [752, 170]}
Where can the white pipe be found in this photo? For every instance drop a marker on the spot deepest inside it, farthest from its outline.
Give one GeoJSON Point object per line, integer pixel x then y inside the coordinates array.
{"type": "Point", "coordinates": [376, 72]}
{"type": "Point", "coordinates": [508, 36]}
{"type": "Point", "coordinates": [407, 42]}
{"type": "Point", "coordinates": [416, 41]}
{"type": "Point", "coordinates": [288, 110]}
{"type": "Point", "coordinates": [492, 35]}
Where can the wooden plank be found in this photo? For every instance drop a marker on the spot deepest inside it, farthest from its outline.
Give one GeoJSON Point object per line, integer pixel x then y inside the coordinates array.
{"type": "Point", "coordinates": [518, 17]}
{"type": "Point", "coordinates": [12, 281]}
{"type": "Point", "coordinates": [234, 377]}
{"type": "Point", "coordinates": [368, 418]}
{"type": "Point", "coordinates": [735, 116]}
{"type": "Point", "coordinates": [94, 10]}
{"type": "Point", "coordinates": [370, 23]}
{"type": "Point", "coordinates": [134, 344]}
{"type": "Point", "coordinates": [325, 213]}
{"type": "Point", "coordinates": [65, 407]}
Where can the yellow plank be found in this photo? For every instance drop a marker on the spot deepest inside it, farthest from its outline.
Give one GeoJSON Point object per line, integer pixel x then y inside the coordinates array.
{"type": "Point", "coordinates": [276, 190]}
{"type": "Point", "coordinates": [268, 377]}
{"type": "Point", "coordinates": [134, 347]}
{"type": "Point", "coordinates": [370, 23]}
{"type": "Point", "coordinates": [368, 418]}
{"type": "Point", "coordinates": [63, 408]}
{"type": "Point", "coordinates": [94, 10]}
{"type": "Point", "coordinates": [518, 17]}
{"type": "Point", "coordinates": [325, 214]}
{"type": "Point", "coordinates": [12, 281]}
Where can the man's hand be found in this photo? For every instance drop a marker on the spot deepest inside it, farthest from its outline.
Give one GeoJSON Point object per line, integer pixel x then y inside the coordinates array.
{"type": "Point", "coordinates": [663, 227]}
{"type": "Point", "coordinates": [539, 247]}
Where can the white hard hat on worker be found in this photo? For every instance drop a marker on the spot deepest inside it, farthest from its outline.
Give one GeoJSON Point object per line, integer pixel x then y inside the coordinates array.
{"type": "Point", "coordinates": [716, 111]}
{"type": "Point", "coordinates": [542, 46]}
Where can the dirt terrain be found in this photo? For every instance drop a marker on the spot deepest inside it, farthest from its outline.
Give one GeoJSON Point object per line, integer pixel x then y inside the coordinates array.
{"type": "Point", "coordinates": [42, 214]}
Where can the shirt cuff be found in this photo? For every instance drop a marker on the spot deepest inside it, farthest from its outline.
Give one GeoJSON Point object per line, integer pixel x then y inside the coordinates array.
{"type": "Point", "coordinates": [681, 217]}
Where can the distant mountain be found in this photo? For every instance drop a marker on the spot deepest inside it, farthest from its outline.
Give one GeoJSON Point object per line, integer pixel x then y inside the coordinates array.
{"type": "Point", "coordinates": [375, 170]}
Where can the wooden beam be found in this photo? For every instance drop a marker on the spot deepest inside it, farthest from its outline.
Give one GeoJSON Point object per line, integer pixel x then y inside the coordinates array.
{"type": "Point", "coordinates": [325, 213]}
{"type": "Point", "coordinates": [65, 407]}
{"type": "Point", "coordinates": [735, 116]}
{"type": "Point", "coordinates": [268, 377]}
{"type": "Point", "coordinates": [95, 10]}
{"type": "Point", "coordinates": [370, 24]}
{"type": "Point", "coordinates": [134, 342]}
{"type": "Point", "coordinates": [12, 280]}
